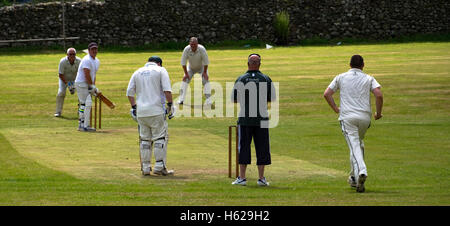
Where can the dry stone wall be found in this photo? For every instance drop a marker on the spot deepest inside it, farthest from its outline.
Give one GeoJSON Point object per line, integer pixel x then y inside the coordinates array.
{"type": "Point", "coordinates": [139, 22]}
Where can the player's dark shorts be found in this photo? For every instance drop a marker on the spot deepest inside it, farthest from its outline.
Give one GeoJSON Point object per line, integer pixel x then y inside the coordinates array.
{"type": "Point", "coordinates": [260, 139]}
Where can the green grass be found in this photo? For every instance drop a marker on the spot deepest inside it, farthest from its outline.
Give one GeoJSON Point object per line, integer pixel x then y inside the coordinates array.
{"type": "Point", "coordinates": [407, 152]}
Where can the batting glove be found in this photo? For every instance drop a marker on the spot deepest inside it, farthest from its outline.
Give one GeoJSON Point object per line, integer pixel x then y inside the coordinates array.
{"type": "Point", "coordinates": [170, 110]}
{"type": "Point", "coordinates": [133, 113]}
{"type": "Point", "coordinates": [71, 87]}
{"type": "Point", "coordinates": [91, 89]}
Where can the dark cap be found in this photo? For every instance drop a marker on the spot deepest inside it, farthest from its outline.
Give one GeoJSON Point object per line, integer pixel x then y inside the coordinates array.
{"type": "Point", "coordinates": [92, 45]}
{"type": "Point", "coordinates": [155, 59]}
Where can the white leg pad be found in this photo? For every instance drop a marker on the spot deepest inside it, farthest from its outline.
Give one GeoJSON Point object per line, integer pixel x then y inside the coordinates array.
{"type": "Point", "coordinates": [146, 154]}
{"type": "Point", "coordinates": [160, 154]}
{"type": "Point", "coordinates": [87, 111]}
{"type": "Point", "coordinates": [81, 114]}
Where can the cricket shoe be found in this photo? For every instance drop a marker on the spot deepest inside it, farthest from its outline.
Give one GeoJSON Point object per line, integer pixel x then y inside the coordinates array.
{"type": "Point", "coordinates": [57, 114]}
{"type": "Point", "coordinates": [88, 129]}
{"type": "Point", "coordinates": [180, 102]}
{"type": "Point", "coordinates": [360, 185]}
{"type": "Point", "coordinates": [240, 181]}
{"type": "Point", "coordinates": [164, 172]}
{"type": "Point", "coordinates": [263, 182]}
{"type": "Point", "coordinates": [351, 181]}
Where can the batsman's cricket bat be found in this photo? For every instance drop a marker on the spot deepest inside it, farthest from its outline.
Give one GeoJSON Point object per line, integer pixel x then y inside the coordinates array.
{"type": "Point", "coordinates": [105, 100]}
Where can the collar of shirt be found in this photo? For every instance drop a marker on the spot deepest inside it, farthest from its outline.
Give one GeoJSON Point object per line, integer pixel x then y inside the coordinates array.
{"type": "Point", "coordinates": [150, 64]}
{"type": "Point", "coordinates": [355, 70]}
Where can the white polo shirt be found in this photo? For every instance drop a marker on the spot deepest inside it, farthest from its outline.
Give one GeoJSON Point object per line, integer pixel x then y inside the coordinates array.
{"type": "Point", "coordinates": [148, 83]}
{"type": "Point", "coordinates": [89, 63]}
{"type": "Point", "coordinates": [196, 59]}
{"type": "Point", "coordinates": [67, 69]}
{"type": "Point", "coordinates": [355, 87]}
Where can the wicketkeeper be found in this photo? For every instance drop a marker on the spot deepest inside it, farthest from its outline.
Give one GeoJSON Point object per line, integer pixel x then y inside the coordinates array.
{"type": "Point", "coordinates": [67, 69]}
{"type": "Point", "coordinates": [197, 57]}
{"type": "Point", "coordinates": [85, 85]}
{"type": "Point", "coordinates": [151, 85]}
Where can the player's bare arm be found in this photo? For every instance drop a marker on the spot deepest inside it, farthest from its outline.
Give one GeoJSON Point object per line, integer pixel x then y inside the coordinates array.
{"type": "Point", "coordinates": [378, 102]}
{"type": "Point", "coordinates": [87, 74]}
{"type": "Point", "coordinates": [61, 76]}
{"type": "Point", "coordinates": [205, 74]}
{"type": "Point", "coordinates": [168, 95]}
{"type": "Point", "coordinates": [132, 101]}
{"type": "Point", "coordinates": [328, 95]}
{"type": "Point", "coordinates": [186, 75]}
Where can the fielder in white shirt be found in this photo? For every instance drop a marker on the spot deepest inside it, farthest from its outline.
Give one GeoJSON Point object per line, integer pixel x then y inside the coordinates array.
{"type": "Point", "coordinates": [354, 113]}
{"type": "Point", "coordinates": [197, 57]}
{"type": "Point", "coordinates": [67, 70]}
{"type": "Point", "coordinates": [151, 85]}
{"type": "Point", "coordinates": [85, 85]}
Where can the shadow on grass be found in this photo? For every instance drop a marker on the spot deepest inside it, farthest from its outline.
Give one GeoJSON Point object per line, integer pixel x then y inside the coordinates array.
{"type": "Point", "coordinates": [270, 187]}
{"type": "Point", "coordinates": [68, 118]}
{"type": "Point", "coordinates": [158, 177]}
{"type": "Point", "coordinates": [374, 191]}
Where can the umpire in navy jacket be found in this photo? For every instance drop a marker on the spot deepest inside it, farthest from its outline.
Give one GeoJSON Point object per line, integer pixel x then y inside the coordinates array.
{"type": "Point", "coordinates": [253, 90]}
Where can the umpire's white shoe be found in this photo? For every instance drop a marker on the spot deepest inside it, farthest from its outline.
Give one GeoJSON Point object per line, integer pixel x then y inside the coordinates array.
{"type": "Point", "coordinates": [263, 182]}
{"type": "Point", "coordinates": [57, 114]}
{"type": "Point", "coordinates": [164, 172]}
{"type": "Point", "coordinates": [360, 185]}
{"type": "Point", "coordinates": [240, 181]}
{"type": "Point", "coordinates": [351, 181]}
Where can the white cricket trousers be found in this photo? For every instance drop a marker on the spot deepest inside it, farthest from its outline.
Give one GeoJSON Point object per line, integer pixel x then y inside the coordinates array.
{"type": "Point", "coordinates": [153, 131]}
{"type": "Point", "coordinates": [185, 84]}
{"type": "Point", "coordinates": [85, 99]}
{"type": "Point", "coordinates": [354, 131]}
{"type": "Point", "coordinates": [60, 96]}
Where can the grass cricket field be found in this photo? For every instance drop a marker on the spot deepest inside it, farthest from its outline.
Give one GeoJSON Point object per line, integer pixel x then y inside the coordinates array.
{"type": "Point", "coordinates": [45, 161]}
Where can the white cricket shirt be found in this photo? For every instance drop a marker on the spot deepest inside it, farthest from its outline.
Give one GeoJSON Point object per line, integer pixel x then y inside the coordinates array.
{"type": "Point", "coordinates": [355, 87]}
{"type": "Point", "coordinates": [89, 63]}
{"type": "Point", "coordinates": [196, 59]}
{"type": "Point", "coordinates": [67, 69]}
{"type": "Point", "coordinates": [148, 83]}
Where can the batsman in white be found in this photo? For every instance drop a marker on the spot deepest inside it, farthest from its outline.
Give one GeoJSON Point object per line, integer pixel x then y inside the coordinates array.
{"type": "Point", "coordinates": [85, 85]}
{"type": "Point", "coordinates": [354, 113]}
{"type": "Point", "coordinates": [197, 57]}
{"type": "Point", "coordinates": [151, 86]}
{"type": "Point", "coordinates": [67, 69]}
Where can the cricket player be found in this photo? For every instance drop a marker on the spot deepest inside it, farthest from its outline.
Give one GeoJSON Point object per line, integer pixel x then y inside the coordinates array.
{"type": "Point", "coordinates": [151, 85]}
{"type": "Point", "coordinates": [85, 85]}
{"type": "Point", "coordinates": [354, 113]}
{"type": "Point", "coordinates": [67, 69]}
{"type": "Point", "coordinates": [197, 57]}
{"type": "Point", "coordinates": [253, 90]}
